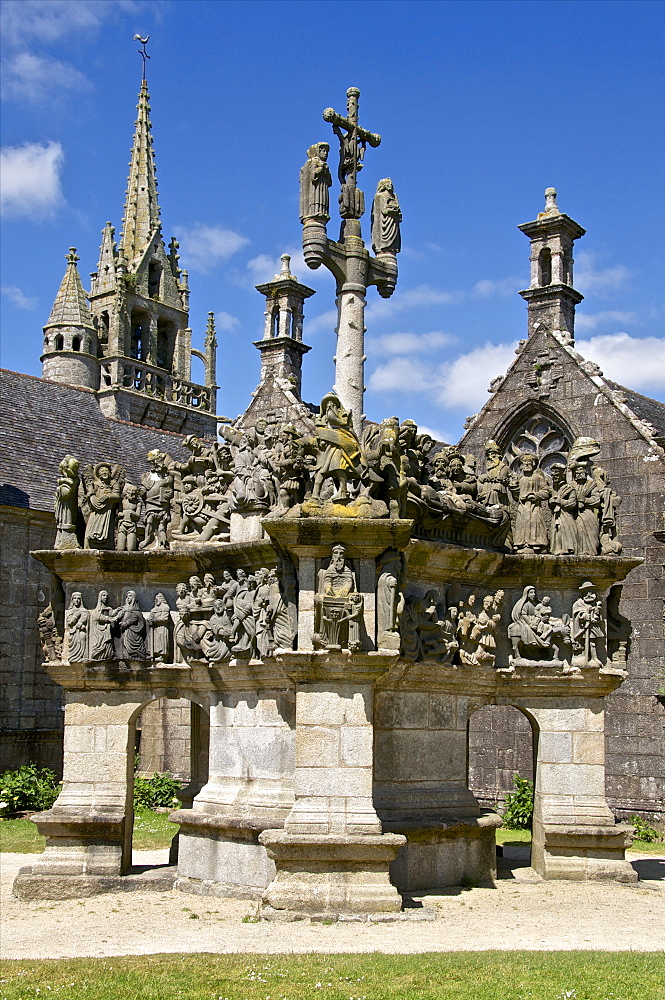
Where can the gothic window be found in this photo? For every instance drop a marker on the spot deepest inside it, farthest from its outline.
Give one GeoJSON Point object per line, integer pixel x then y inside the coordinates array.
{"type": "Point", "coordinates": [274, 329]}
{"type": "Point", "coordinates": [545, 267]}
{"type": "Point", "coordinates": [140, 330]}
{"type": "Point", "coordinates": [165, 344]}
{"type": "Point", "coordinates": [543, 437]}
{"type": "Point", "coordinates": [59, 342]}
{"type": "Point", "coordinates": [76, 343]}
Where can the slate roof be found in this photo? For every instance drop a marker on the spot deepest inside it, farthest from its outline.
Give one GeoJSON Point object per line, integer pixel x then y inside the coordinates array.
{"type": "Point", "coordinates": [71, 304]}
{"type": "Point", "coordinates": [42, 421]}
{"type": "Point", "coordinates": [643, 406]}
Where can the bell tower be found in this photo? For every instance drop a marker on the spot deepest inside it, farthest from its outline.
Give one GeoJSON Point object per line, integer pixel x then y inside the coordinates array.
{"type": "Point", "coordinates": [551, 298]}
{"type": "Point", "coordinates": [135, 344]}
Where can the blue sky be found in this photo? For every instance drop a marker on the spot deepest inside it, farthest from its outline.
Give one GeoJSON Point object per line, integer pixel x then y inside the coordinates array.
{"type": "Point", "coordinates": [481, 107]}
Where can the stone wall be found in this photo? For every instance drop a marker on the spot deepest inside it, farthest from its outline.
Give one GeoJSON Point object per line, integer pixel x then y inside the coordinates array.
{"type": "Point", "coordinates": [548, 378]}
{"type": "Point", "coordinates": [31, 704]}
{"type": "Point", "coordinates": [167, 727]}
{"type": "Point", "coordinates": [500, 746]}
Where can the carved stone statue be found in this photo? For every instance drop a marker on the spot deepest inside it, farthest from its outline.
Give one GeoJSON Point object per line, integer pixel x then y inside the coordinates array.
{"type": "Point", "coordinates": [389, 598]}
{"type": "Point", "coordinates": [587, 628]}
{"type": "Point", "coordinates": [128, 519]}
{"type": "Point", "coordinates": [66, 504]}
{"type": "Point", "coordinates": [315, 181]}
{"type": "Point", "coordinates": [589, 503]}
{"type": "Point", "coordinates": [159, 638]}
{"type": "Point", "coordinates": [102, 489]}
{"type": "Point", "coordinates": [531, 492]}
{"type": "Point", "coordinates": [76, 629]}
{"type": "Point", "coordinates": [386, 217]}
{"type": "Point", "coordinates": [337, 605]}
{"type": "Point", "coordinates": [563, 504]}
{"type": "Point", "coordinates": [493, 484]}
{"type": "Point", "coordinates": [217, 636]}
{"type": "Point", "coordinates": [131, 623]}
{"type": "Point", "coordinates": [102, 618]}
{"type": "Point", "coordinates": [158, 487]}
{"type": "Point", "coordinates": [339, 449]}
{"type": "Point", "coordinates": [244, 623]}
{"type": "Point", "coordinates": [533, 633]}
{"type": "Point", "coordinates": [482, 633]}
{"type": "Point", "coordinates": [49, 637]}
{"type": "Point", "coordinates": [283, 606]}
{"type": "Point", "coordinates": [609, 540]}
{"type": "Point", "coordinates": [198, 521]}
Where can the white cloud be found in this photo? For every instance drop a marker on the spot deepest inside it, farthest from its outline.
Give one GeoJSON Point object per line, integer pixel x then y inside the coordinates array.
{"type": "Point", "coordinates": [636, 362]}
{"type": "Point", "coordinates": [203, 247]}
{"type": "Point", "coordinates": [461, 382]}
{"type": "Point", "coordinates": [264, 267]}
{"type": "Point", "coordinates": [489, 286]}
{"type": "Point", "coordinates": [600, 280]}
{"type": "Point", "coordinates": [49, 20]}
{"type": "Point", "coordinates": [39, 79]}
{"type": "Point", "coordinates": [30, 177]}
{"type": "Point", "coordinates": [434, 432]}
{"type": "Point", "coordinates": [402, 375]}
{"type": "Point", "coordinates": [592, 320]}
{"type": "Point", "coordinates": [410, 298]}
{"type": "Point", "coordinates": [411, 343]}
{"type": "Point", "coordinates": [225, 321]}
{"type": "Point", "coordinates": [326, 321]}
{"type": "Point", "coordinates": [17, 298]}
{"type": "Point", "coordinates": [464, 381]}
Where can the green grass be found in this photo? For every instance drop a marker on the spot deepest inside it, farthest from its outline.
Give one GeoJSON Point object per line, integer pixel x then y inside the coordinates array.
{"type": "Point", "coordinates": [517, 975]}
{"type": "Point", "coordinates": [152, 830]}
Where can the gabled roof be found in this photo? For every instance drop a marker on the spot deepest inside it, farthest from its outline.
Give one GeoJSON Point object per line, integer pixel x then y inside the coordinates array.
{"type": "Point", "coordinates": [644, 407]}
{"type": "Point", "coordinates": [42, 421]}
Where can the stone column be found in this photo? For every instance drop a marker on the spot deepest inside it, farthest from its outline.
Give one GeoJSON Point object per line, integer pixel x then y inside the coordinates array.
{"type": "Point", "coordinates": [250, 783]}
{"type": "Point", "coordinates": [332, 857]}
{"type": "Point", "coordinates": [350, 352]}
{"type": "Point", "coordinates": [574, 833]}
{"type": "Point", "coordinates": [420, 784]}
{"type": "Point", "coordinates": [89, 828]}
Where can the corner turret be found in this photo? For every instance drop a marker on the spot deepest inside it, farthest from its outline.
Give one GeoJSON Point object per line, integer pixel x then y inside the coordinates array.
{"type": "Point", "coordinates": [70, 338]}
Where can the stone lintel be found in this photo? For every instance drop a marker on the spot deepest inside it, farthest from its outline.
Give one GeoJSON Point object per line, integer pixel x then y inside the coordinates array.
{"type": "Point", "coordinates": [315, 666]}
{"type": "Point", "coordinates": [155, 567]}
{"type": "Point", "coordinates": [170, 680]}
{"type": "Point", "coordinates": [552, 224]}
{"type": "Point", "coordinates": [232, 826]}
{"type": "Point", "coordinates": [364, 538]}
{"type": "Point", "coordinates": [554, 291]}
{"type": "Point", "coordinates": [276, 344]}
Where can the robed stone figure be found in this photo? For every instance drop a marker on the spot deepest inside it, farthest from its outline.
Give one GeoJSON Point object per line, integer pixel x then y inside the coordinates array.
{"type": "Point", "coordinates": [315, 181]}
{"type": "Point", "coordinates": [386, 217]}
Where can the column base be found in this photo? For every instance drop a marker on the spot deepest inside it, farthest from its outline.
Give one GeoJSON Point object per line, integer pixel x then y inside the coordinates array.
{"type": "Point", "coordinates": [583, 853]}
{"type": "Point", "coordinates": [29, 884]}
{"type": "Point", "coordinates": [331, 875]}
{"type": "Point", "coordinates": [437, 855]}
{"type": "Point", "coordinates": [222, 856]}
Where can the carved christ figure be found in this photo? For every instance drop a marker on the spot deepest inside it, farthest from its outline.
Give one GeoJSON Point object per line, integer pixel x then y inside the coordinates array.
{"type": "Point", "coordinates": [315, 181]}
{"type": "Point", "coordinates": [386, 217]}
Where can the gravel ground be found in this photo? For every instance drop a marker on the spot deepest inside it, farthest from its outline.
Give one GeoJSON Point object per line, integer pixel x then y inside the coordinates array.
{"type": "Point", "coordinates": [520, 912]}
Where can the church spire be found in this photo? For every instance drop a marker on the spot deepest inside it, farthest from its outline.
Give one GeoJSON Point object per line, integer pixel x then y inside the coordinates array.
{"type": "Point", "coordinates": [141, 216]}
{"type": "Point", "coordinates": [70, 338]}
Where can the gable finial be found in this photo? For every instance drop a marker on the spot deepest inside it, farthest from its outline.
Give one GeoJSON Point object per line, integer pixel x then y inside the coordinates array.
{"type": "Point", "coordinates": [142, 51]}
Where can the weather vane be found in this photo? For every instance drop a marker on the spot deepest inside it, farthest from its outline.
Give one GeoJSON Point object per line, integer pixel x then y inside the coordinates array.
{"type": "Point", "coordinates": [144, 55]}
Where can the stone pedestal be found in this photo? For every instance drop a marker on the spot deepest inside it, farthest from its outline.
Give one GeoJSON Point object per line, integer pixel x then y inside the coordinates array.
{"type": "Point", "coordinates": [332, 874]}
{"type": "Point", "coordinates": [332, 857]}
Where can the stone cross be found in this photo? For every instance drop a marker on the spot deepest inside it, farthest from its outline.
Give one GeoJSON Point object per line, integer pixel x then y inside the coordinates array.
{"type": "Point", "coordinates": [351, 152]}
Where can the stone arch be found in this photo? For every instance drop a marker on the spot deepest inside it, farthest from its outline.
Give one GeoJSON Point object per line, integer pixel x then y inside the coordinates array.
{"type": "Point", "coordinates": [537, 428]}
{"type": "Point", "coordinates": [545, 267]}
{"type": "Point", "coordinates": [76, 343]}
{"type": "Point", "coordinates": [59, 342]}
{"type": "Point", "coordinates": [502, 741]}
{"type": "Point", "coordinates": [175, 725]}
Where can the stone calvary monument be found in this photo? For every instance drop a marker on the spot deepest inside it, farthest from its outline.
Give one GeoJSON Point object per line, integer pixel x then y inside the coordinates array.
{"type": "Point", "coordinates": [339, 596]}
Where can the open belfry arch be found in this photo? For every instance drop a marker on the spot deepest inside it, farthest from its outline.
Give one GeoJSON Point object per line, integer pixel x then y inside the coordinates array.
{"type": "Point", "coordinates": [338, 596]}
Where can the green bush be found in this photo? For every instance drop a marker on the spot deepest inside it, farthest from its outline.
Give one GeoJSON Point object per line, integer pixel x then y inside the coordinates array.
{"type": "Point", "coordinates": [28, 788]}
{"type": "Point", "coordinates": [643, 831]}
{"type": "Point", "coordinates": [518, 807]}
{"type": "Point", "coordinates": [160, 790]}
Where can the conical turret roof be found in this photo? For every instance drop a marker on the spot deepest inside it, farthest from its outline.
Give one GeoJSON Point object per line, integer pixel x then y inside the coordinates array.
{"type": "Point", "coordinates": [71, 303]}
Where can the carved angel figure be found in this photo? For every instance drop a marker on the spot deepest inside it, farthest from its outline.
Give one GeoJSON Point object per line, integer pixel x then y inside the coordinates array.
{"type": "Point", "coordinates": [102, 489]}
{"type": "Point", "coordinates": [386, 217]}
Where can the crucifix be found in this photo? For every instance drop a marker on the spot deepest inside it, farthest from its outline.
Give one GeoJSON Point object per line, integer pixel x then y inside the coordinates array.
{"type": "Point", "coordinates": [352, 147]}
{"type": "Point", "coordinates": [353, 267]}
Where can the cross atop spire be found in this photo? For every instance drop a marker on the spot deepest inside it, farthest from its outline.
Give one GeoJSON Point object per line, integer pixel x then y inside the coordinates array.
{"type": "Point", "coordinates": [141, 216]}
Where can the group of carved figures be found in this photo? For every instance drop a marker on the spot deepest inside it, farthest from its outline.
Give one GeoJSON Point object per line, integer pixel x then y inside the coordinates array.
{"type": "Point", "coordinates": [467, 635]}
{"type": "Point", "coordinates": [392, 470]}
{"type": "Point", "coordinates": [243, 615]}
